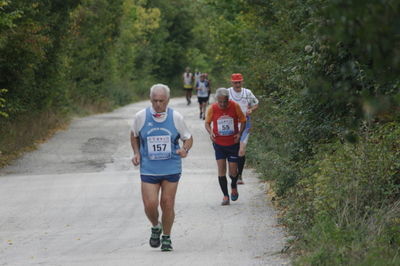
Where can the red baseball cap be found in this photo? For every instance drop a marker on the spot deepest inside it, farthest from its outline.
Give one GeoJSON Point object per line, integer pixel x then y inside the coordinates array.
{"type": "Point", "coordinates": [236, 77]}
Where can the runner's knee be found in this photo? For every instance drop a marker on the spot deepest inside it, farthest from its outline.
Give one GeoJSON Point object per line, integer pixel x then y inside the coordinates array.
{"type": "Point", "coordinates": [167, 203]}
{"type": "Point", "coordinates": [150, 204]}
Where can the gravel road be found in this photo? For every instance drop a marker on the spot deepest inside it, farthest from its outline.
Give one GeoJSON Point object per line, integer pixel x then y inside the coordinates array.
{"type": "Point", "coordinates": [76, 201]}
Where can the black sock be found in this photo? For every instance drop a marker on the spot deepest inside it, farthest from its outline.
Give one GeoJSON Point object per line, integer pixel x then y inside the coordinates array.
{"type": "Point", "coordinates": [234, 181]}
{"type": "Point", "coordinates": [223, 183]}
{"type": "Point", "coordinates": [241, 161]}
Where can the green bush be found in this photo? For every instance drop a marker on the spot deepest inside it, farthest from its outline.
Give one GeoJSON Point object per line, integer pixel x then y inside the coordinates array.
{"type": "Point", "coordinates": [84, 56]}
{"type": "Point", "coordinates": [346, 206]}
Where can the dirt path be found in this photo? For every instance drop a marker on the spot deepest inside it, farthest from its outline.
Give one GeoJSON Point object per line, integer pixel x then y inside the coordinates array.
{"type": "Point", "coordinates": [76, 201]}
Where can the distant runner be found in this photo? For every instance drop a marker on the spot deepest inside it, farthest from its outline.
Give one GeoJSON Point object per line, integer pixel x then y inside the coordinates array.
{"type": "Point", "coordinates": [196, 75]}
{"type": "Point", "coordinates": [202, 87]}
{"type": "Point", "coordinates": [188, 84]}
{"type": "Point", "coordinates": [225, 123]}
{"type": "Point", "coordinates": [248, 103]}
{"type": "Point", "coordinates": [155, 135]}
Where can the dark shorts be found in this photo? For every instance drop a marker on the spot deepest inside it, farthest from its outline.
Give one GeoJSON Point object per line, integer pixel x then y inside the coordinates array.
{"type": "Point", "coordinates": [188, 89]}
{"type": "Point", "coordinates": [227, 152]}
{"type": "Point", "coordinates": [202, 99]}
{"type": "Point", "coordinates": [157, 179]}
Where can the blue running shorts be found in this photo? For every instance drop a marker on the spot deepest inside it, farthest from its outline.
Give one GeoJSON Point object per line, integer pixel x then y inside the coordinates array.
{"type": "Point", "coordinates": [157, 179]}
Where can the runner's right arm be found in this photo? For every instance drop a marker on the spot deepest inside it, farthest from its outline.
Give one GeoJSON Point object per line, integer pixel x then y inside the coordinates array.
{"type": "Point", "coordinates": [138, 122]}
{"type": "Point", "coordinates": [208, 122]}
{"type": "Point", "coordinates": [135, 143]}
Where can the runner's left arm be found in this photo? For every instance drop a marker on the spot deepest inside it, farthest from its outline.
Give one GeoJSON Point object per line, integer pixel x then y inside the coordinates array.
{"type": "Point", "coordinates": [185, 134]}
{"type": "Point", "coordinates": [251, 109]}
{"type": "Point", "coordinates": [253, 103]}
{"type": "Point", "coordinates": [186, 146]}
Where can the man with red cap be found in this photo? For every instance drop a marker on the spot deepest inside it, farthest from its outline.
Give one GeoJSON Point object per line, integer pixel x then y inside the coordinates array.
{"type": "Point", "coordinates": [248, 103]}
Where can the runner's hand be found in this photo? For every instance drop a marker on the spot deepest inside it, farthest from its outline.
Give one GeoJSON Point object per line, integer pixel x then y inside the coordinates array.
{"type": "Point", "coordinates": [236, 138]}
{"type": "Point", "coordinates": [212, 137]}
{"type": "Point", "coordinates": [136, 159]}
{"type": "Point", "coordinates": [182, 152]}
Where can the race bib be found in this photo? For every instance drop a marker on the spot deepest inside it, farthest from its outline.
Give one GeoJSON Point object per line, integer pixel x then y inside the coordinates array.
{"type": "Point", "coordinates": [159, 147]}
{"type": "Point", "coordinates": [225, 126]}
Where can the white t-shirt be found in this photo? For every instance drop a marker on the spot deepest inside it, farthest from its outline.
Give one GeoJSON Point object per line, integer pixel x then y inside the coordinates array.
{"type": "Point", "coordinates": [140, 118]}
{"type": "Point", "coordinates": [244, 98]}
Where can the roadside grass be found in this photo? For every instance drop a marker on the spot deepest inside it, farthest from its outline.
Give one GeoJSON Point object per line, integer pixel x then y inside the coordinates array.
{"type": "Point", "coordinates": [25, 133]}
{"type": "Point", "coordinates": [341, 205]}
{"type": "Point", "coordinates": [375, 241]}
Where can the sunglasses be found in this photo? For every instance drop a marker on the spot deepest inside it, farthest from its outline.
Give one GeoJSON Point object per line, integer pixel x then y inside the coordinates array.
{"type": "Point", "coordinates": [236, 82]}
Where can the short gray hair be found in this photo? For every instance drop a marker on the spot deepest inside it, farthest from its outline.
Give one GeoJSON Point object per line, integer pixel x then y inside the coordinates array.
{"type": "Point", "coordinates": [159, 87]}
{"type": "Point", "coordinates": [222, 92]}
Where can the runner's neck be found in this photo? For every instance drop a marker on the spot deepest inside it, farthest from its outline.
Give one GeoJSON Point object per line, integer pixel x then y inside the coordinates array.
{"type": "Point", "coordinates": [238, 90]}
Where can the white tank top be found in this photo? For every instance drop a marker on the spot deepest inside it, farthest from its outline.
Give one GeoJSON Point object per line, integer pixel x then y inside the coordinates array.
{"type": "Point", "coordinates": [187, 78]}
{"type": "Point", "coordinates": [244, 98]}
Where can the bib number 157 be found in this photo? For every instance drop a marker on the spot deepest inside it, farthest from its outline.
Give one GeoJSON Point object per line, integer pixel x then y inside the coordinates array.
{"type": "Point", "coordinates": [159, 147]}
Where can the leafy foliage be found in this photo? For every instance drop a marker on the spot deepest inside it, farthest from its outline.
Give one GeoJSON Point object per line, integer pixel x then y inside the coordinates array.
{"type": "Point", "coordinates": [327, 74]}
{"type": "Point", "coordinates": [2, 101]}
{"type": "Point", "coordinates": [70, 56]}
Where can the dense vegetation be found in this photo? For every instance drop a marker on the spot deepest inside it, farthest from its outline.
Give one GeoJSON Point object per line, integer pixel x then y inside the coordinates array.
{"type": "Point", "coordinates": [64, 57]}
{"type": "Point", "coordinates": [327, 74]}
{"type": "Point", "coordinates": [327, 132]}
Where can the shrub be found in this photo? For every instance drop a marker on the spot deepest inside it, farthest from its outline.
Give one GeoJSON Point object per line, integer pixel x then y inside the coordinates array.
{"type": "Point", "coordinates": [346, 206]}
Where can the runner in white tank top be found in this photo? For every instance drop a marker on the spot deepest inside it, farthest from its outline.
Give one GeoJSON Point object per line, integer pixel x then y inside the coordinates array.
{"type": "Point", "coordinates": [202, 88]}
{"type": "Point", "coordinates": [188, 84]}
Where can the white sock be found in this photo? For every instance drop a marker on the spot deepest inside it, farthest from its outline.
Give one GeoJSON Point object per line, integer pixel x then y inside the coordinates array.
{"type": "Point", "coordinates": [158, 225]}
